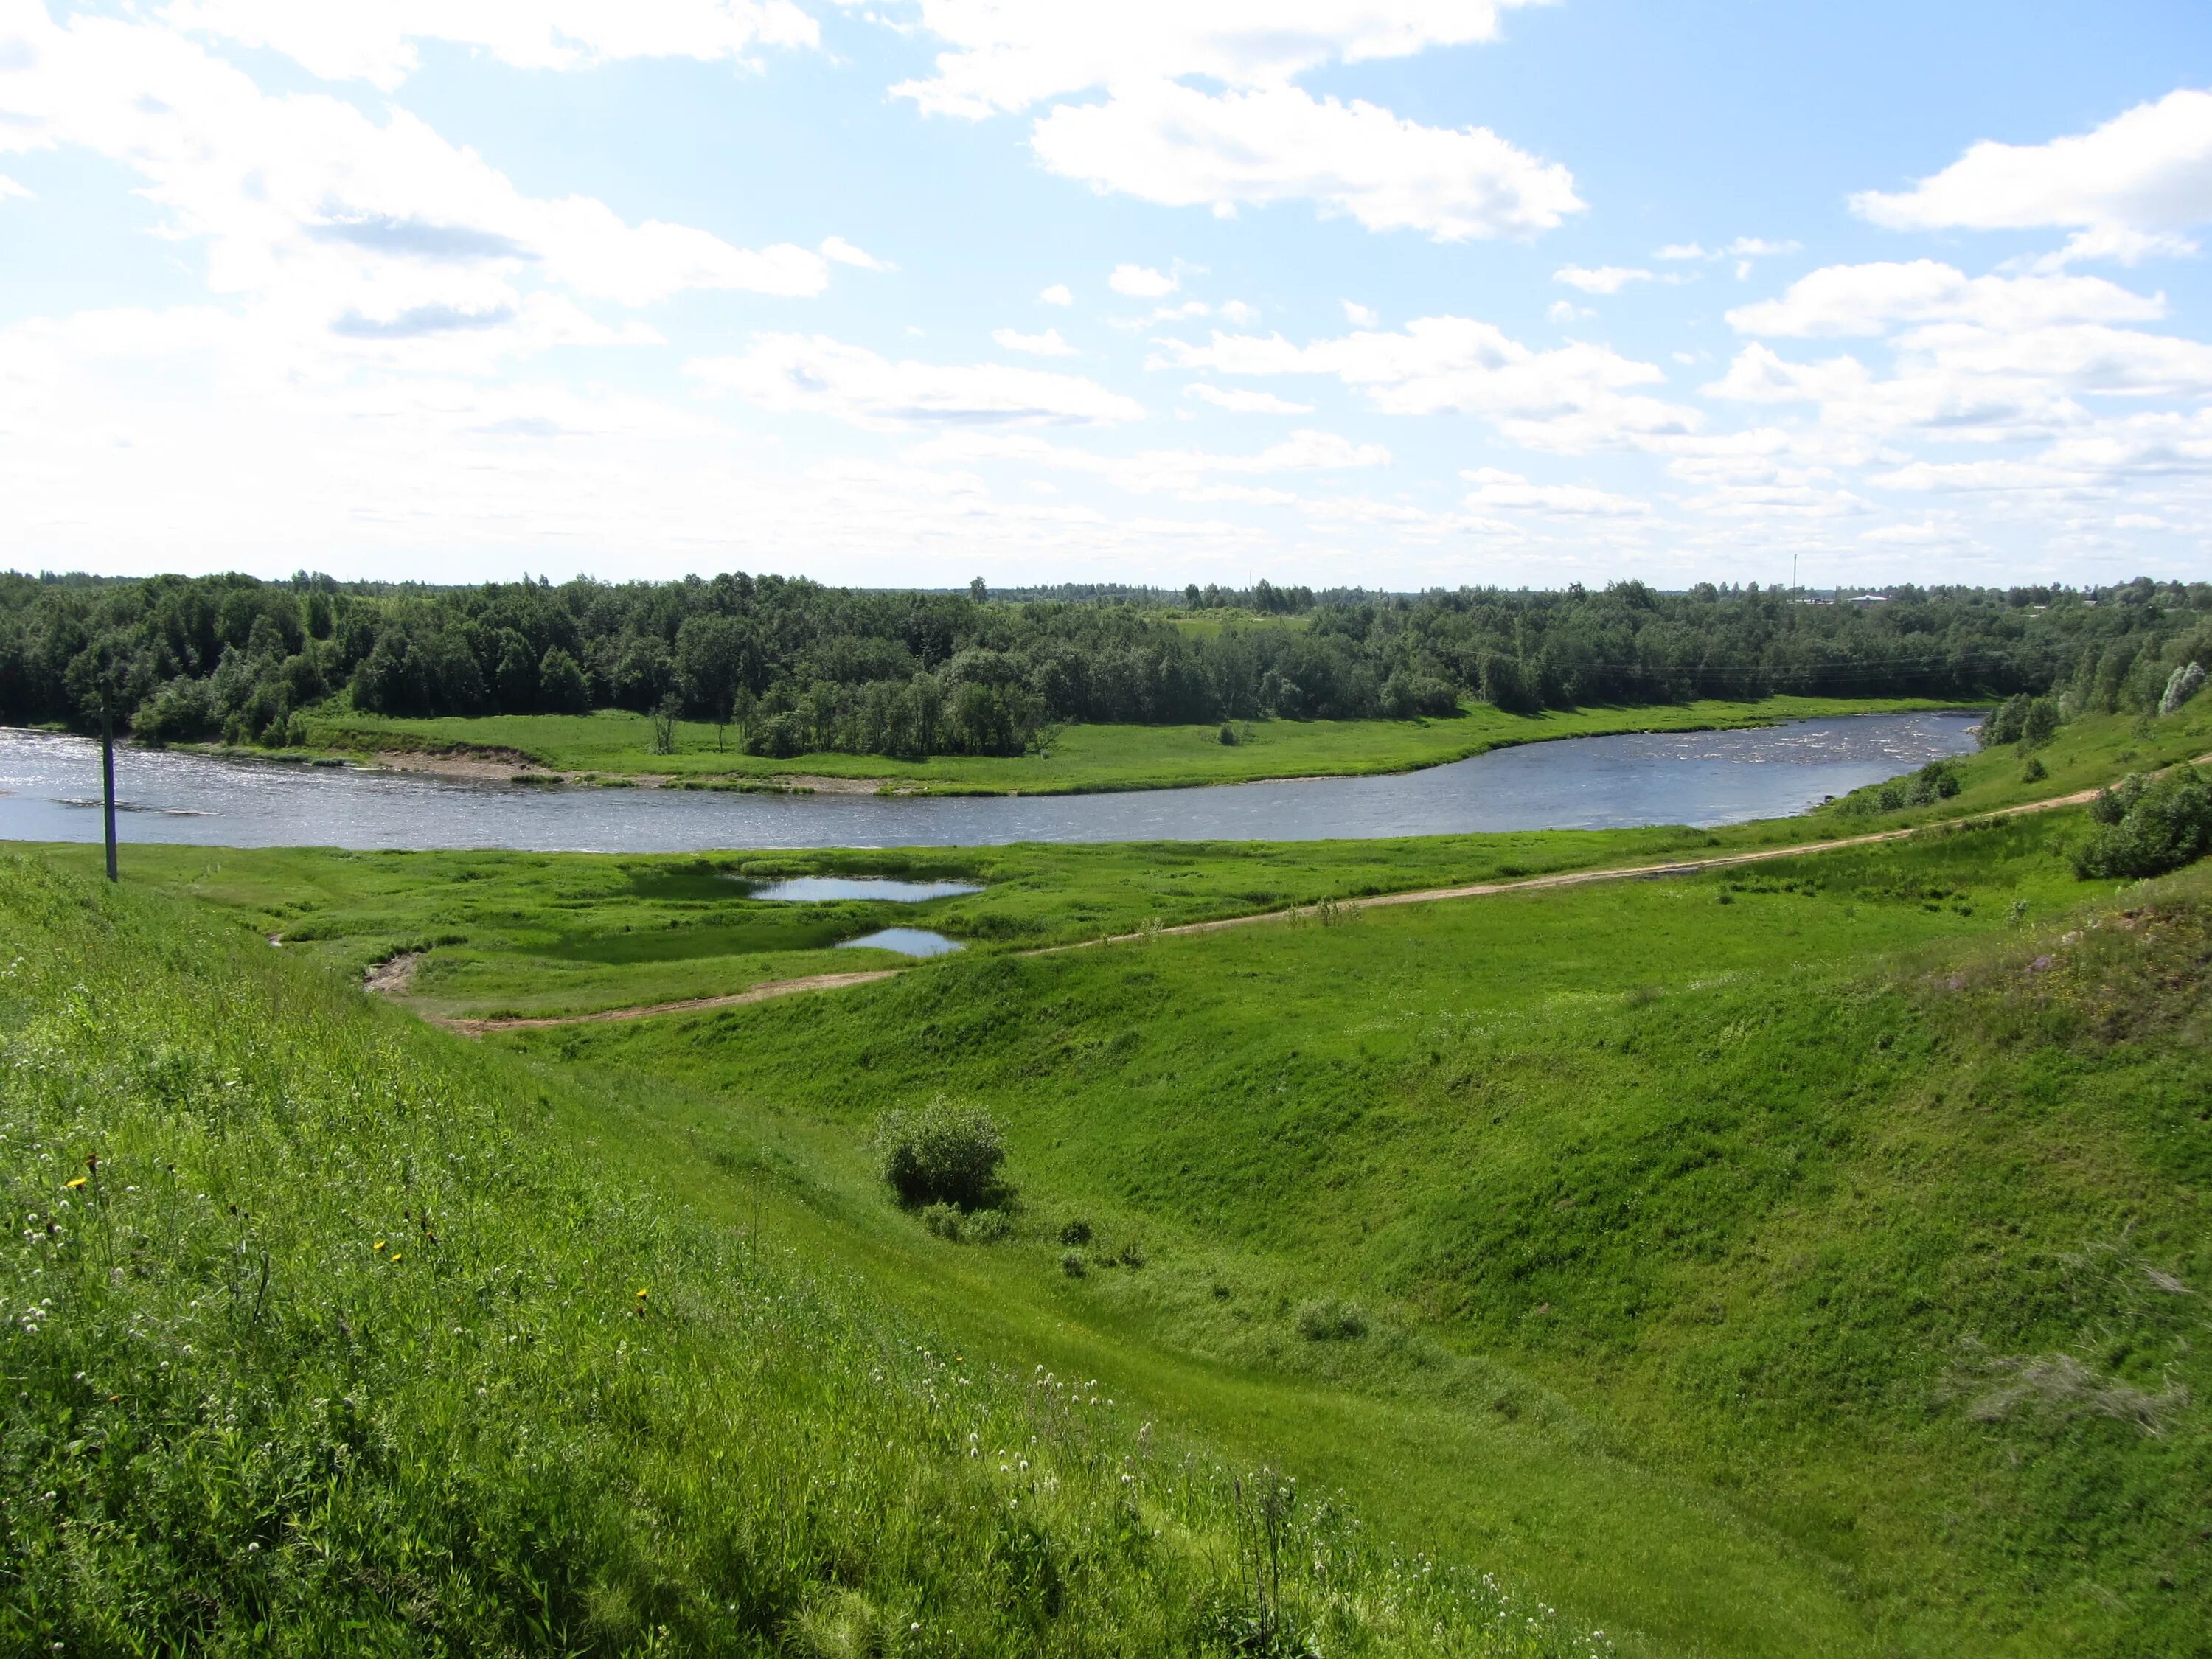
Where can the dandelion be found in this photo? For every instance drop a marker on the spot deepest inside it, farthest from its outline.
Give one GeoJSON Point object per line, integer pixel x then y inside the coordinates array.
{"type": "Point", "coordinates": [378, 1245]}
{"type": "Point", "coordinates": [74, 1185]}
{"type": "Point", "coordinates": [398, 1256]}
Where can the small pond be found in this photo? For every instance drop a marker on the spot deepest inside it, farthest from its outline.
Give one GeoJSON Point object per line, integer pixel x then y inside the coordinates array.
{"type": "Point", "coordinates": [817, 889]}
{"type": "Point", "coordinates": [907, 941]}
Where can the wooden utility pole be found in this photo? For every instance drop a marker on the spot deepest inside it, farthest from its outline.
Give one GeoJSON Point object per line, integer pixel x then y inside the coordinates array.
{"type": "Point", "coordinates": [107, 778]}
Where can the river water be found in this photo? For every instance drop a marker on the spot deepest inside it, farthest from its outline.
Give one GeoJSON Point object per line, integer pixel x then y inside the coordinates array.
{"type": "Point", "coordinates": [49, 790]}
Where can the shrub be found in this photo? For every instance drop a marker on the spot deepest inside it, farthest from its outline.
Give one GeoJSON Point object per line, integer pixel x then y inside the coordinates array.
{"type": "Point", "coordinates": [988, 1227]}
{"type": "Point", "coordinates": [1228, 735]}
{"type": "Point", "coordinates": [2006, 723]}
{"type": "Point", "coordinates": [2184, 685]}
{"type": "Point", "coordinates": [2146, 828]}
{"type": "Point", "coordinates": [1132, 1255]}
{"type": "Point", "coordinates": [1077, 1232]}
{"type": "Point", "coordinates": [183, 711]}
{"type": "Point", "coordinates": [1937, 780]}
{"type": "Point", "coordinates": [942, 1154]}
{"type": "Point", "coordinates": [2035, 771]}
{"type": "Point", "coordinates": [943, 1219]}
{"type": "Point", "coordinates": [1325, 1319]}
{"type": "Point", "coordinates": [1072, 1264]}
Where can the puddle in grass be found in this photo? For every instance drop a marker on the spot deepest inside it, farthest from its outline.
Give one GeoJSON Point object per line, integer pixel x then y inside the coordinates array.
{"type": "Point", "coordinates": [907, 941]}
{"type": "Point", "coordinates": [816, 889]}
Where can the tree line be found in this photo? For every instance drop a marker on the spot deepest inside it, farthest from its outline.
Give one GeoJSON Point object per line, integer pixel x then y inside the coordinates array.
{"type": "Point", "coordinates": [799, 667]}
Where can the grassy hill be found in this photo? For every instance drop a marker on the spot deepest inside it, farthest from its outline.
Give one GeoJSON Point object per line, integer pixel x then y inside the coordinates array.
{"type": "Point", "coordinates": [1839, 1224]}
{"type": "Point", "coordinates": [321, 1337]}
{"type": "Point", "coordinates": [1807, 1257]}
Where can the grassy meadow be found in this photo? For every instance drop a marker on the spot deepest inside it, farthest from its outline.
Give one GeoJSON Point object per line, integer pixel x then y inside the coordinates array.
{"type": "Point", "coordinates": [614, 744]}
{"type": "Point", "coordinates": [1805, 1257]}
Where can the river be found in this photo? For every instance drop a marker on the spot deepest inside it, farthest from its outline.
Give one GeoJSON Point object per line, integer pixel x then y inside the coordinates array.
{"type": "Point", "coordinates": [49, 790]}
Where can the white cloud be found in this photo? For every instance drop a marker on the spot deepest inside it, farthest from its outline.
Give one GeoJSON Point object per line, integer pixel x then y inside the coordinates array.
{"type": "Point", "coordinates": [1871, 298]}
{"type": "Point", "coordinates": [1575, 397]}
{"type": "Point", "coordinates": [2130, 186]}
{"type": "Point", "coordinates": [1047, 344]}
{"type": "Point", "coordinates": [1757, 247]}
{"type": "Point", "coordinates": [1681, 251]}
{"type": "Point", "coordinates": [1497, 489]}
{"type": "Point", "coordinates": [837, 248]}
{"type": "Point", "coordinates": [8, 187]}
{"type": "Point", "coordinates": [1142, 282]}
{"type": "Point", "coordinates": [818, 375]}
{"type": "Point", "coordinates": [1006, 55]}
{"type": "Point", "coordinates": [1604, 279]}
{"type": "Point", "coordinates": [1563, 312]}
{"type": "Point", "coordinates": [1173, 145]}
{"type": "Point", "coordinates": [1190, 474]}
{"type": "Point", "coordinates": [310, 203]}
{"type": "Point", "coordinates": [1057, 294]}
{"type": "Point", "coordinates": [377, 42]}
{"type": "Point", "coordinates": [1360, 316]}
{"type": "Point", "coordinates": [1244, 402]}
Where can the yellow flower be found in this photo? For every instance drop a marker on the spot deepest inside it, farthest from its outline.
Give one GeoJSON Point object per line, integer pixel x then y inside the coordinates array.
{"type": "Point", "coordinates": [378, 1244]}
{"type": "Point", "coordinates": [74, 1185]}
{"type": "Point", "coordinates": [398, 1256]}
{"type": "Point", "coordinates": [641, 1291]}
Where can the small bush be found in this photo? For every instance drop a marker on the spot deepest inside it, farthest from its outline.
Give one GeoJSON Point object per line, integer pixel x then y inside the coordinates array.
{"type": "Point", "coordinates": [942, 1154]}
{"type": "Point", "coordinates": [1228, 735]}
{"type": "Point", "coordinates": [1072, 1264]}
{"type": "Point", "coordinates": [2187, 680]}
{"type": "Point", "coordinates": [943, 1219]}
{"type": "Point", "coordinates": [988, 1227]}
{"type": "Point", "coordinates": [1076, 1232]}
{"type": "Point", "coordinates": [1132, 1255]}
{"type": "Point", "coordinates": [1325, 1319]}
{"type": "Point", "coordinates": [2146, 828]}
{"type": "Point", "coordinates": [2035, 771]}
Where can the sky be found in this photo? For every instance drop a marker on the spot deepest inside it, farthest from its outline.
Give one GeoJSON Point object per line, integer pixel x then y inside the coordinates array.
{"type": "Point", "coordinates": [1393, 294]}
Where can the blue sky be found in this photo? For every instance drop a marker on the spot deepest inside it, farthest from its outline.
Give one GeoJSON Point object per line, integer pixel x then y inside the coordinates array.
{"type": "Point", "coordinates": [1384, 292]}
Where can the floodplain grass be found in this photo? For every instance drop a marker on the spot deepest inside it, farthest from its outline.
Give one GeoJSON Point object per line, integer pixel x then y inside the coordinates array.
{"type": "Point", "coordinates": [318, 1340]}
{"type": "Point", "coordinates": [1821, 1232]}
{"type": "Point", "coordinates": [614, 744]}
{"type": "Point", "coordinates": [541, 934]}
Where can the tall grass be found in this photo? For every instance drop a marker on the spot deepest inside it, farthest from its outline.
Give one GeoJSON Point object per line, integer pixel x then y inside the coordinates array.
{"type": "Point", "coordinates": [317, 1341]}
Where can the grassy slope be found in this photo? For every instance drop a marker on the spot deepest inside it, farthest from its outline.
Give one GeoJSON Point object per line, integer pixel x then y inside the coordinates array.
{"type": "Point", "coordinates": [1086, 757]}
{"type": "Point", "coordinates": [319, 1338]}
{"type": "Point", "coordinates": [1738, 1212]}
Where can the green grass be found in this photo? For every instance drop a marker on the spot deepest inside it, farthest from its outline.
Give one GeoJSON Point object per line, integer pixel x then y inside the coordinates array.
{"type": "Point", "coordinates": [613, 744]}
{"type": "Point", "coordinates": [321, 1338]}
{"type": "Point", "coordinates": [1805, 1258]}
{"type": "Point", "coordinates": [1689, 1230]}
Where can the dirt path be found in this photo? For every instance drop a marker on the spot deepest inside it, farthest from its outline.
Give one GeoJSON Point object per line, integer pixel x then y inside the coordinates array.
{"type": "Point", "coordinates": [782, 988]}
{"type": "Point", "coordinates": [1426, 896]}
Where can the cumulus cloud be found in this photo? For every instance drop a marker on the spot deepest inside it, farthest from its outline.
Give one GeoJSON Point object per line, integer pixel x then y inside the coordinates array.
{"type": "Point", "coordinates": [837, 248]}
{"type": "Point", "coordinates": [1142, 282]}
{"type": "Point", "coordinates": [1360, 316]}
{"type": "Point", "coordinates": [1238, 402]}
{"type": "Point", "coordinates": [1576, 397]}
{"type": "Point", "coordinates": [1194, 475]}
{"type": "Point", "coordinates": [2128, 188]}
{"type": "Point", "coordinates": [377, 43]}
{"type": "Point", "coordinates": [306, 201]}
{"type": "Point", "coordinates": [1007, 54]}
{"type": "Point", "coordinates": [816, 374]}
{"type": "Point", "coordinates": [1872, 299]}
{"type": "Point", "coordinates": [1173, 145]}
{"type": "Point", "coordinates": [1047, 344]}
{"type": "Point", "coordinates": [1497, 489]}
{"type": "Point", "coordinates": [1057, 294]}
{"type": "Point", "coordinates": [1603, 279]}
{"type": "Point", "coordinates": [8, 187]}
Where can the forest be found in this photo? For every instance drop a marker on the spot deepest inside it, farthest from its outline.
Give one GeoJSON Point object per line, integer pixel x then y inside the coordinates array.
{"type": "Point", "coordinates": [800, 667]}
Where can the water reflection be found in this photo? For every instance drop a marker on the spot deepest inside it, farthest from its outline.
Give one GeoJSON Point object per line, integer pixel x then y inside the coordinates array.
{"type": "Point", "coordinates": [815, 890]}
{"type": "Point", "coordinates": [907, 941]}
